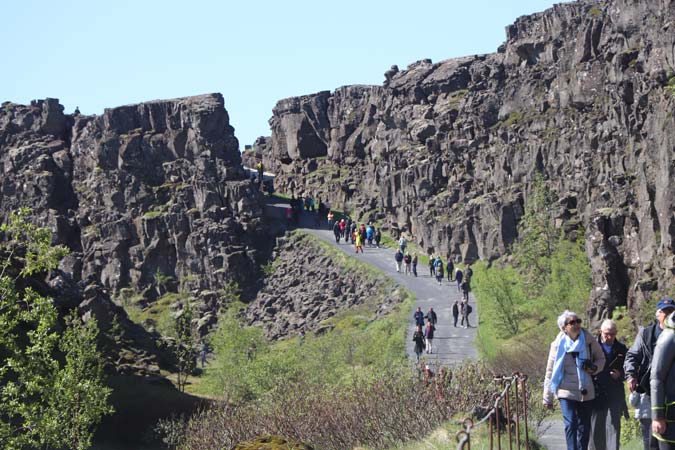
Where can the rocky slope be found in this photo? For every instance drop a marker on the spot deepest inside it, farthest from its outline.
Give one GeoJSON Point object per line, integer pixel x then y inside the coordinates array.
{"type": "Point", "coordinates": [309, 282]}
{"type": "Point", "coordinates": [150, 198]}
{"type": "Point", "coordinates": [582, 93]}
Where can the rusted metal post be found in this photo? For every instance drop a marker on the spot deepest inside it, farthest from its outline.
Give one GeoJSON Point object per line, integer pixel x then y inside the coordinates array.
{"type": "Point", "coordinates": [524, 390]}
{"type": "Point", "coordinates": [492, 430]}
{"type": "Point", "coordinates": [499, 431]}
{"type": "Point", "coordinates": [507, 404]}
{"type": "Point", "coordinates": [517, 402]}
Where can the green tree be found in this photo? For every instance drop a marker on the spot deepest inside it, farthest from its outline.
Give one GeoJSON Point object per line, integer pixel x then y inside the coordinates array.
{"type": "Point", "coordinates": [538, 236]}
{"type": "Point", "coordinates": [184, 345]}
{"type": "Point", "coordinates": [51, 386]}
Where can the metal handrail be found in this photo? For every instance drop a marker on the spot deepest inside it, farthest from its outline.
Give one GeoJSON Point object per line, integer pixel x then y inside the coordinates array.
{"type": "Point", "coordinates": [518, 382]}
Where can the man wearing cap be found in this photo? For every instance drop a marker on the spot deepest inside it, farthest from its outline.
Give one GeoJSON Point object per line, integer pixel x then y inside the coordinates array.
{"type": "Point", "coordinates": [639, 360]}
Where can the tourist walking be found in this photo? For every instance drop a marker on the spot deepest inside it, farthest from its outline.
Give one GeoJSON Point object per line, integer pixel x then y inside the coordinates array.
{"type": "Point", "coordinates": [663, 386]}
{"type": "Point", "coordinates": [402, 244]}
{"type": "Point", "coordinates": [431, 265]}
{"type": "Point", "coordinates": [407, 259]}
{"type": "Point", "coordinates": [398, 257]}
{"type": "Point", "coordinates": [337, 232]}
{"type": "Point", "coordinates": [429, 335]}
{"type": "Point", "coordinates": [466, 288]}
{"type": "Point", "coordinates": [610, 398]}
{"type": "Point", "coordinates": [419, 317]}
{"type": "Point", "coordinates": [465, 311]}
{"type": "Point", "coordinates": [575, 356]}
{"type": "Point", "coordinates": [418, 339]}
{"type": "Point", "coordinates": [455, 313]}
{"type": "Point", "coordinates": [358, 242]}
{"type": "Point", "coordinates": [438, 267]}
{"type": "Point", "coordinates": [378, 237]}
{"type": "Point", "coordinates": [450, 268]}
{"type": "Point", "coordinates": [459, 276]}
{"type": "Point", "coordinates": [414, 265]}
{"type": "Point", "coordinates": [639, 359]}
{"type": "Point", "coordinates": [431, 316]}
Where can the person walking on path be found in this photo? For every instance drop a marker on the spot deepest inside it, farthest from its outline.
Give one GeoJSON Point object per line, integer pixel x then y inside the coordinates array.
{"type": "Point", "coordinates": [610, 400]}
{"type": "Point", "coordinates": [331, 216]}
{"type": "Point", "coordinates": [414, 265]}
{"type": "Point", "coordinates": [468, 274]}
{"type": "Point", "coordinates": [455, 313]}
{"type": "Point", "coordinates": [407, 259]}
{"type": "Point", "coordinates": [438, 267]}
{"type": "Point", "coordinates": [450, 268]}
{"type": "Point", "coordinates": [358, 242]}
{"type": "Point", "coordinates": [431, 265]}
{"type": "Point", "coordinates": [466, 288]}
{"type": "Point", "coordinates": [337, 232]}
{"type": "Point", "coordinates": [431, 316]}
{"type": "Point", "coordinates": [378, 237]}
{"type": "Point", "coordinates": [574, 357]}
{"type": "Point", "coordinates": [402, 244]}
{"type": "Point", "coordinates": [465, 310]}
{"type": "Point", "coordinates": [419, 317]}
{"type": "Point", "coordinates": [398, 257]}
{"type": "Point", "coordinates": [639, 359]}
{"type": "Point", "coordinates": [429, 335]}
{"type": "Point", "coordinates": [663, 386]}
{"type": "Point", "coordinates": [418, 339]}
{"type": "Point", "coordinates": [459, 276]}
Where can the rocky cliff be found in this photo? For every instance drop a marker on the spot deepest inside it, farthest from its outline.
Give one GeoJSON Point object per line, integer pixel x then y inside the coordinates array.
{"type": "Point", "coordinates": [150, 198]}
{"type": "Point", "coordinates": [582, 93]}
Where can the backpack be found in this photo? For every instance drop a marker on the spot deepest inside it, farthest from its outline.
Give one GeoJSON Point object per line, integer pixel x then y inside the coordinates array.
{"type": "Point", "coordinates": [468, 309]}
{"type": "Point", "coordinates": [438, 264]}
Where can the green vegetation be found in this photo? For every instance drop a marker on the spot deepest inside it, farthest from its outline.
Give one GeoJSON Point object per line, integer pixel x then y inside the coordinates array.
{"type": "Point", "coordinates": [670, 85]}
{"type": "Point", "coordinates": [595, 12]}
{"type": "Point", "coordinates": [157, 316]}
{"type": "Point", "coordinates": [52, 378]}
{"type": "Point", "coordinates": [247, 366]}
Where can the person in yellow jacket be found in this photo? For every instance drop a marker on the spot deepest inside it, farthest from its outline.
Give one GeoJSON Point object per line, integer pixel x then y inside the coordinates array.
{"type": "Point", "coordinates": [358, 242]}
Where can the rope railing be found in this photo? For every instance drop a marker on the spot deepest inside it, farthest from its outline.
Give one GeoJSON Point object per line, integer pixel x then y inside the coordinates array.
{"type": "Point", "coordinates": [515, 387]}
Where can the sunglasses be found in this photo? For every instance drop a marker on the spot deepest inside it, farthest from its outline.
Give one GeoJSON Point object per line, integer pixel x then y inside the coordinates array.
{"type": "Point", "coordinates": [573, 321]}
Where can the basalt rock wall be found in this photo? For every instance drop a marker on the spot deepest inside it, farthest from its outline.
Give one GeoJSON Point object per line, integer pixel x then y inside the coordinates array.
{"type": "Point", "coordinates": [582, 93]}
{"type": "Point", "coordinates": [150, 198]}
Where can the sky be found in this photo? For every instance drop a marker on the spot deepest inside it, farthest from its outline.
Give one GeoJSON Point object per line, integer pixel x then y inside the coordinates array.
{"type": "Point", "coordinates": [97, 55]}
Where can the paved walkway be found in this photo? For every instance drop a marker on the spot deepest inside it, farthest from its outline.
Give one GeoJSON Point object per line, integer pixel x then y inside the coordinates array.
{"type": "Point", "coordinates": [452, 344]}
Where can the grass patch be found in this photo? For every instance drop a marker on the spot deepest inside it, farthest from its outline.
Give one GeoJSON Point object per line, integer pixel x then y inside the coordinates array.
{"type": "Point", "coordinates": [157, 316]}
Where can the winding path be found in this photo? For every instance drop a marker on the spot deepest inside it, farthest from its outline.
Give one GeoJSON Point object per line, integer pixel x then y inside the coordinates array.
{"type": "Point", "coordinates": [452, 345]}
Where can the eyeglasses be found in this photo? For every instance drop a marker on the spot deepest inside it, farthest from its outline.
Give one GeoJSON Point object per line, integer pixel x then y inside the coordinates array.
{"type": "Point", "coordinates": [573, 321]}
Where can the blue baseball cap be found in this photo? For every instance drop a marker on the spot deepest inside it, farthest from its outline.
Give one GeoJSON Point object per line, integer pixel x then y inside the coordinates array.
{"type": "Point", "coordinates": [666, 303]}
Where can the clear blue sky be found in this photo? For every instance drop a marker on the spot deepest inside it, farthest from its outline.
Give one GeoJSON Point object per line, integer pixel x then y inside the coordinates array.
{"type": "Point", "coordinates": [95, 54]}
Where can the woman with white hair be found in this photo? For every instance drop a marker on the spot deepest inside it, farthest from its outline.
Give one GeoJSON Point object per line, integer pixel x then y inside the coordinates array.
{"type": "Point", "coordinates": [575, 356]}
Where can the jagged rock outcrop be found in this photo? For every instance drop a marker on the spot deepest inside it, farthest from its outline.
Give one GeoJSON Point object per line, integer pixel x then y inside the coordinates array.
{"type": "Point", "coordinates": [308, 283]}
{"type": "Point", "coordinates": [582, 93]}
{"type": "Point", "coordinates": [149, 197]}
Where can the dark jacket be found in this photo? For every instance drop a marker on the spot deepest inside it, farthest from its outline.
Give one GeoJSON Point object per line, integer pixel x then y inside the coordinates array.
{"type": "Point", "coordinates": [455, 309]}
{"type": "Point", "coordinates": [418, 338]}
{"type": "Point", "coordinates": [398, 256]}
{"type": "Point", "coordinates": [610, 391]}
{"type": "Point", "coordinates": [639, 356]}
{"type": "Point", "coordinates": [431, 317]}
{"type": "Point", "coordinates": [419, 318]}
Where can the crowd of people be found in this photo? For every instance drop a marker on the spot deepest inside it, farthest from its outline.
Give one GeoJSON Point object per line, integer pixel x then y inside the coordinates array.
{"type": "Point", "coordinates": [587, 373]}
